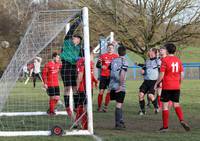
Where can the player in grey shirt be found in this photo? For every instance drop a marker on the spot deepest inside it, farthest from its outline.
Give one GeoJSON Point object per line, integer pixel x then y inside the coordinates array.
{"type": "Point", "coordinates": [151, 73]}
{"type": "Point", "coordinates": [117, 84]}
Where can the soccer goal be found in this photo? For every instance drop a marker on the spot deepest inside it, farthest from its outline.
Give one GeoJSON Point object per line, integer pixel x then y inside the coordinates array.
{"type": "Point", "coordinates": [23, 106]}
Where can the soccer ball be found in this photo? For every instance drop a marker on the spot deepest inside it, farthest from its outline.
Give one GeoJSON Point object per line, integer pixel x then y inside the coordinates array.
{"type": "Point", "coordinates": [5, 44]}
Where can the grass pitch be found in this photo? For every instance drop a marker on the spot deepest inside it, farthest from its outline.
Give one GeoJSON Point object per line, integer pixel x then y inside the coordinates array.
{"type": "Point", "coordinates": [139, 128]}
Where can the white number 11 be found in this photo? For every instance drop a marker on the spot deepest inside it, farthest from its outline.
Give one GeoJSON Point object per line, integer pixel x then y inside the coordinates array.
{"type": "Point", "coordinates": [175, 67]}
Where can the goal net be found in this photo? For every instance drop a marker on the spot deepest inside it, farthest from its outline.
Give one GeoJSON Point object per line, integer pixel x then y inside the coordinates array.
{"type": "Point", "coordinates": [27, 106]}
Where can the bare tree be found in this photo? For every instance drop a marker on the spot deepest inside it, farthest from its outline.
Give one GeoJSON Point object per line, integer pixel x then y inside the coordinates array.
{"type": "Point", "coordinates": [143, 24]}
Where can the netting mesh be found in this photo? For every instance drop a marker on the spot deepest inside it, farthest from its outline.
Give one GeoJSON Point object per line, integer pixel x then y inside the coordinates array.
{"type": "Point", "coordinates": [25, 104]}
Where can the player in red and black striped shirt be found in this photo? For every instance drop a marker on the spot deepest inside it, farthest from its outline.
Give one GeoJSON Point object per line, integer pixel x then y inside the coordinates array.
{"type": "Point", "coordinates": [51, 82]}
{"type": "Point", "coordinates": [171, 75]}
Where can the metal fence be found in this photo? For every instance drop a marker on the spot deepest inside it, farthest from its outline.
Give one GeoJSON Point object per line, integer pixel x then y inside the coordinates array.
{"type": "Point", "coordinates": [191, 72]}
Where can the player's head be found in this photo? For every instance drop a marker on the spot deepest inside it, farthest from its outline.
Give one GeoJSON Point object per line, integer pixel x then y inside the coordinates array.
{"type": "Point", "coordinates": [76, 39]}
{"type": "Point", "coordinates": [170, 47]}
{"type": "Point", "coordinates": [163, 51]}
{"type": "Point", "coordinates": [55, 57]}
{"type": "Point", "coordinates": [110, 48]}
{"type": "Point", "coordinates": [121, 50]}
{"type": "Point", "coordinates": [152, 52]}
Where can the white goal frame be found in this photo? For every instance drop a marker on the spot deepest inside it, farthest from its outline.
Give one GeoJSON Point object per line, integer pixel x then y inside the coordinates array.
{"type": "Point", "coordinates": [6, 84]}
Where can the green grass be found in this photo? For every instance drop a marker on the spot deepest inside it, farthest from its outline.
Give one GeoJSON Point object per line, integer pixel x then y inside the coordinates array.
{"type": "Point", "coordinates": [138, 128]}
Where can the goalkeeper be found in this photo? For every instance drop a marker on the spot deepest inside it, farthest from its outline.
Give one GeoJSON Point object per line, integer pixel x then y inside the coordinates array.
{"type": "Point", "coordinates": [69, 56]}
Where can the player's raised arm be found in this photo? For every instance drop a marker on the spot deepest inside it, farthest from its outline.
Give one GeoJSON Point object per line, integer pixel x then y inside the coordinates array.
{"type": "Point", "coordinates": [73, 27]}
{"type": "Point", "coordinates": [39, 59]}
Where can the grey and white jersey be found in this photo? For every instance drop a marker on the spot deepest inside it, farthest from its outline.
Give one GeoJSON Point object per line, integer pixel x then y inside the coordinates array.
{"type": "Point", "coordinates": [117, 65]}
{"type": "Point", "coordinates": [152, 69]}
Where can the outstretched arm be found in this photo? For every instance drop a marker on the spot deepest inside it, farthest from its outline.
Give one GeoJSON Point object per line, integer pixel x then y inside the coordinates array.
{"type": "Point", "coordinates": [72, 28]}
{"type": "Point", "coordinates": [39, 59]}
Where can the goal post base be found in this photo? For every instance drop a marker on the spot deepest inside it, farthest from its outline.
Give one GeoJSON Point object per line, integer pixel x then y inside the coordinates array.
{"type": "Point", "coordinates": [42, 133]}
{"type": "Point", "coordinates": [38, 113]}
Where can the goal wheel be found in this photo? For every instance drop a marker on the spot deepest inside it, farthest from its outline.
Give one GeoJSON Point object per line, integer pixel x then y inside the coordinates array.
{"type": "Point", "coordinates": [57, 131]}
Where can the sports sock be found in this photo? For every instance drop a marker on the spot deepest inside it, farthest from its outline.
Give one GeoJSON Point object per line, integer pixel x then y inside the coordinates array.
{"type": "Point", "coordinates": [100, 97]}
{"type": "Point", "coordinates": [69, 112]}
{"type": "Point", "coordinates": [51, 105]}
{"type": "Point", "coordinates": [66, 99]}
{"type": "Point", "coordinates": [142, 105]}
{"type": "Point", "coordinates": [76, 98]}
{"type": "Point", "coordinates": [165, 117]}
{"type": "Point", "coordinates": [118, 116]}
{"type": "Point", "coordinates": [107, 99]}
{"type": "Point", "coordinates": [78, 112]}
{"type": "Point", "coordinates": [179, 113]}
{"type": "Point", "coordinates": [155, 104]}
{"type": "Point", "coordinates": [55, 101]}
{"type": "Point", "coordinates": [84, 122]}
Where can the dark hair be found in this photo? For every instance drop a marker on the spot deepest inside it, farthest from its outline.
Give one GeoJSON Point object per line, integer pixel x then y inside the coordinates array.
{"type": "Point", "coordinates": [121, 50]}
{"type": "Point", "coordinates": [77, 36]}
{"type": "Point", "coordinates": [110, 44]}
{"type": "Point", "coordinates": [170, 47]}
{"type": "Point", "coordinates": [54, 54]}
{"type": "Point", "coordinates": [154, 50]}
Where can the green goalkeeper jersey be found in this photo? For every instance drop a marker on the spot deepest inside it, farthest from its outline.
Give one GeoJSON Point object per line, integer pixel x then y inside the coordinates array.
{"type": "Point", "coordinates": [70, 52]}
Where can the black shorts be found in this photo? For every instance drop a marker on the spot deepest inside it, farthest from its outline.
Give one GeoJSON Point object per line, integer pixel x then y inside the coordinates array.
{"type": "Point", "coordinates": [53, 91]}
{"type": "Point", "coordinates": [82, 98]}
{"type": "Point", "coordinates": [119, 97]}
{"type": "Point", "coordinates": [170, 95]}
{"type": "Point", "coordinates": [36, 75]}
{"type": "Point", "coordinates": [68, 74]}
{"type": "Point", "coordinates": [147, 87]}
{"type": "Point", "coordinates": [104, 82]}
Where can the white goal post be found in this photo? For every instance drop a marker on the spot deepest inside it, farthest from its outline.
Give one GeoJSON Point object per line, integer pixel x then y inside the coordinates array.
{"type": "Point", "coordinates": [28, 49]}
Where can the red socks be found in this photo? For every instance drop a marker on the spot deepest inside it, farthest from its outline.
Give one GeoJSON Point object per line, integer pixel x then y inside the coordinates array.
{"type": "Point", "coordinates": [69, 112]}
{"type": "Point", "coordinates": [84, 121]}
{"type": "Point", "coordinates": [179, 113]}
{"type": "Point", "coordinates": [100, 97]}
{"type": "Point", "coordinates": [80, 112]}
{"type": "Point", "coordinates": [51, 105]}
{"type": "Point", "coordinates": [165, 117]}
{"type": "Point", "coordinates": [107, 99]}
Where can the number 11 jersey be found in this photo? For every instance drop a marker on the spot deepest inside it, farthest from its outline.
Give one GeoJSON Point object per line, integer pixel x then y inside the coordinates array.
{"type": "Point", "coordinates": [172, 68]}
